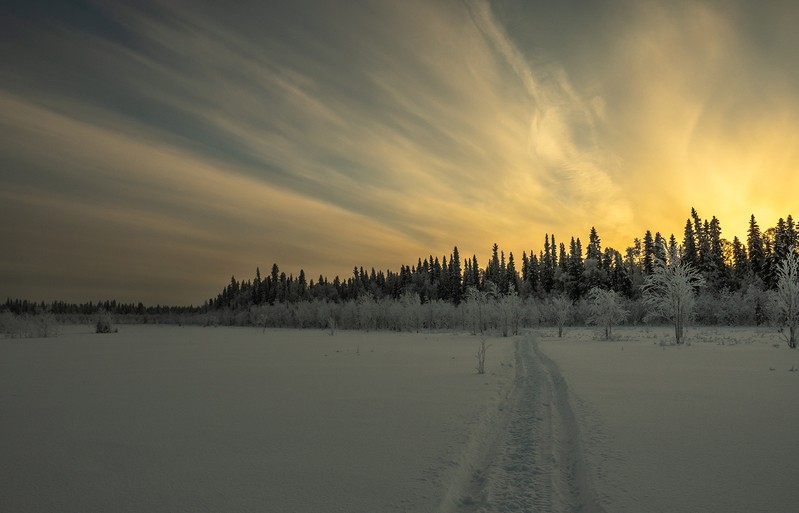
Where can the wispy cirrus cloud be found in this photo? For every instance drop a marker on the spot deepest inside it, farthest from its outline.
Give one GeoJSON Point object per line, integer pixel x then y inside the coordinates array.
{"type": "Point", "coordinates": [324, 135]}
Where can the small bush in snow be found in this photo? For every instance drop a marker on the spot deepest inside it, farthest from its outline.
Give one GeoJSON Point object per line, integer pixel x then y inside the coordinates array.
{"type": "Point", "coordinates": [104, 323]}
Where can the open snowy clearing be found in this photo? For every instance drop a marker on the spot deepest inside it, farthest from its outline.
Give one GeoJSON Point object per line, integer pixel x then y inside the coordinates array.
{"type": "Point", "coordinates": [236, 419]}
{"type": "Point", "coordinates": [710, 427]}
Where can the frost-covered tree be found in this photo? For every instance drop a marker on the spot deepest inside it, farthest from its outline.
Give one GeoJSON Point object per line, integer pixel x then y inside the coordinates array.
{"type": "Point", "coordinates": [669, 293]}
{"type": "Point", "coordinates": [411, 311]}
{"type": "Point", "coordinates": [606, 309]}
{"type": "Point", "coordinates": [561, 307]}
{"type": "Point", "coordinates": [786, 297]}
{"type": "Point", "coordinates": [476, 301]}
{"type": "Point", "coordinates": [510, 309]}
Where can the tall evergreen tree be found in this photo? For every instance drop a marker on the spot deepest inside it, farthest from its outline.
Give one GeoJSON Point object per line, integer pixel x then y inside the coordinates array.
{"type": "Point", "coordinates": [256, 287]}
{"type": "Point", "coordinates": [547, 267]}
{"type": "Point", "coordinates": [754, 246]}
{"type": "Point", "coordinates": [533, 272]}
{"type": "Point", "coordinates": [302, 286]}
{"type": "Point", "coordinates": [659, 249]}
{"type": "Point", "coordinates": [740, 262]}
{"type": "Point", "coordinates": [690, 251]}
{"type": "Point", "coordinates": [455, 276]}
{"type": "Point", "coordinates": [673, 252]}
{"type": "Point", "coordinates": [715, 263]}
{"type": "Point", "coordinates": [782, 242]}
{"type": "Point", "coordinates": [649, 254]}
{"type": "Point", "coordinates": [594, 249]}
{"type": "Point", "coordinates": [275, 278]}
{"type": "Point", "coordinates": [511, 276]}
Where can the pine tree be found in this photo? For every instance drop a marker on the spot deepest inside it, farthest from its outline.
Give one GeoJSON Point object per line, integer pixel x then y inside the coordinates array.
{"type": "Point", "coordinates": [533, 272]}
{"type": "Point", "coordinates": [791, 232]}
{"type": "Point", "coordinates": [547, 267]}
{"type": "Point", "coordinates": [256, 287]}
{"type": "Point", "coordinates": [525, 266]}
{"type": "Point", "coordinates": [455, 276]}
{"type": "Point", "coordinates": [563, 258]}
{"type": "Point", "coordinates": [275, 277]}
{"type": "Point", "coordinates": [700, 238]}
{"type": "Point", "coordinates": [302, 286]}
{"type": "Point", "coordinates": [690, 251]}
{"type": "Point", "coordinates": [740, 265]}
{"type": "Point", "coordinates": [659, 249]}
{"type": "Point", "coordinates": [476, 281]}
{"type": "Point", "coordinates": [715, 263]}
{"type": "Point", "coordinates": [754, 246]}
{"type": "Point", "coordinates": [782, 240]}
{"type": "Point", "coordinates": [283, 289]}
{"type": "Point", "coordinates": [705, 259]}
{"type": "Point", "coordinates": [673, 252]}
{"type": "Point", "coordinates": [511, 277]}
{"type": "Point", "coordinates": [502, 276]}
{"type": "Point", "coordinates": [649, 254]}
{"type": "Point", "coordinates": [576, 269]}
{"type": "Point", "coordinates": [594, 249]}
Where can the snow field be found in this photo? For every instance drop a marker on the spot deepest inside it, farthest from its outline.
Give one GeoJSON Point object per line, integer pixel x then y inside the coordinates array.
{"type": "Point", "coordinates": [240, 419]}
{"type": "Point", "coordinates": [236, 419]}
{"type": "Point", "coordinates": [708, 427]}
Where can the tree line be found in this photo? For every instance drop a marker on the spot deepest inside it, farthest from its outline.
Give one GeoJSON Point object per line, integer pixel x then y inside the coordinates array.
{"type": "Point", "coordinates": [727, 267]}
{"type": "Point", "coordinates": [564, 283]}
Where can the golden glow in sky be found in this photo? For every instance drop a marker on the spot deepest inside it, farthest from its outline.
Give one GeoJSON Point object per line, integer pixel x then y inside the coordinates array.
{"type": "Point", "coordinates": [149, 151]}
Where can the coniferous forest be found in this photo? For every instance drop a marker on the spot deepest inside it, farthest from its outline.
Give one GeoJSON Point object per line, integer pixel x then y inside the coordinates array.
{"type": "Point", "coordinates": [556, 286]}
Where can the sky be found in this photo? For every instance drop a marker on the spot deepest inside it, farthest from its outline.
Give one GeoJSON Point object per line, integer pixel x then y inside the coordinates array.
{"type": "Point", "coordinates": [149, 150]}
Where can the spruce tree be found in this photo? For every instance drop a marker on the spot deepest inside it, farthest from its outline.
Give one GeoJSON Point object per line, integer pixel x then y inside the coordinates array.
{"type": "Point", "coordinates": [649, 254]}
{"type": "Point", "coordinates": [511, 277]}
{"type": "Point", "coordinates": [781, 242]}
{"type": "Point", "coordinates": [594, 249]}
{"type": "Point", "coordinates": [690, 252]}
{"type": "Point", "coordinates": [275, 278]}
{"type": "Point", "coordinates": [673, 252]}
{"type": "Point", "coordinates": [256, 287]}
{"type": "Point", "coordinates": [302, 286]}
{"type": "Point", "coordinates": [754, 246]}
{"type": "Point", "coordinates": [525, 266]}
{"type": "Point", "coordinates": [716, 264]}
{"type": "Point", "coordinates": [455, 276]}
{"type": "Point", "coordinates": [740, 263]}
{"type": "Point", "coordinates": [547, 266]}
{"type": "Point", "coordinates": [533, 272]}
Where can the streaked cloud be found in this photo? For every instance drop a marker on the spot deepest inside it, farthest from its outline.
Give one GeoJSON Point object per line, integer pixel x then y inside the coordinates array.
{"type": "Point", "coordinates": [151, 150]}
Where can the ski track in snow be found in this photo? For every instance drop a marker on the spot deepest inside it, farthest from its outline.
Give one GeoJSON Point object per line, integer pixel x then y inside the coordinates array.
{"type": "Point", "coordinates": [525, 455]}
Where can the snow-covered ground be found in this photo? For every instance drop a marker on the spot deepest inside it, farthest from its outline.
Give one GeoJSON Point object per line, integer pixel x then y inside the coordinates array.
{"type": "Point", "coordinates": [710, 427]}
{"type": "Point", "coordinates": [236, 419]}
{"type": "Point", "coordinates": [233, 419]}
